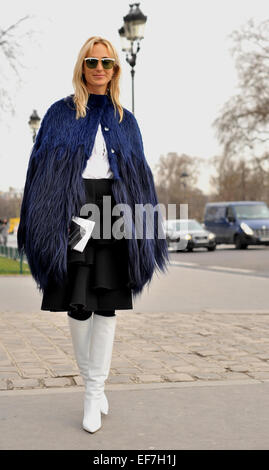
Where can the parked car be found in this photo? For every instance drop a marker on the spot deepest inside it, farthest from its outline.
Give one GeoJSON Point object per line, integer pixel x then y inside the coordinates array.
{"type": "Point", "coordinates": [186, 234]}
{"type": "Point", "coordinates": [241, 223]}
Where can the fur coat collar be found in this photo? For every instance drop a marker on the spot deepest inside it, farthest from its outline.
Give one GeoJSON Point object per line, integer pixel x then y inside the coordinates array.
{"type": "Point", "coordinates": [54, 189]}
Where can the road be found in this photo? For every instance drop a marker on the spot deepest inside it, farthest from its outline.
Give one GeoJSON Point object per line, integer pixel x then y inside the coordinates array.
{"type": "Point", "coordinates": [254, 260]}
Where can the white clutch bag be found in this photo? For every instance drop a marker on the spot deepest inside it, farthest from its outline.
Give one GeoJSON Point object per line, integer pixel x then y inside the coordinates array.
{"type": "Point", "coordinates": [80, 233]}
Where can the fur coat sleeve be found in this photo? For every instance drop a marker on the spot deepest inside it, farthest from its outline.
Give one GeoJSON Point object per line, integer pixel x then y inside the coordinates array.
{"type": "Point", "coordinates": [148, 254]}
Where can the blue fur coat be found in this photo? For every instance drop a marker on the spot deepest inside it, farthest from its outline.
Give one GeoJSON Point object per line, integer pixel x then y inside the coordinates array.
{"type": "Point", "coordinates": [54, 189]}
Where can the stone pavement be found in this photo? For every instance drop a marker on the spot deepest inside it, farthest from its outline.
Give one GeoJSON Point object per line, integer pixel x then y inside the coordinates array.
{"type": "Point", "coordinates": [36, 350]}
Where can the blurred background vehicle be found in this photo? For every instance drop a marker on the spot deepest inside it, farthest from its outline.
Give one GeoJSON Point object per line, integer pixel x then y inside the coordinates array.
{"type": "Point", "coordinates": [187, 234]}
{"type": "Point", "coordinates": [241, 223]}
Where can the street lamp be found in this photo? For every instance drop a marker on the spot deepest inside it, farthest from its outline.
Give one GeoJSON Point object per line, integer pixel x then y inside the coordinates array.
{"type": "Point", "coordinates": [131, 33]}
{"type": "Point", "coordinates": [34, 123]}
{"type": "Point", "coordinates": [184, 175]}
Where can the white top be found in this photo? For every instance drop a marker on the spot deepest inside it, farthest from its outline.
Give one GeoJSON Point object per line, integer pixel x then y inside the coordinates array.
{"type": "Point", "coordinates": [98, 164]}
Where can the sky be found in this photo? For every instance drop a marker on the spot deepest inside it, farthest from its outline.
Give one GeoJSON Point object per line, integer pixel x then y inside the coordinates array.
{"type": "Point", "coordinates": [183, 76]}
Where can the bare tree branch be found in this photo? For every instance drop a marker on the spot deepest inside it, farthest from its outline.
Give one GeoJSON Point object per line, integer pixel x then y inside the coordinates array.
{"type": "Point", "coordinates": [244, 119]}
{"type": "Point", "coordinates": [12, 43]}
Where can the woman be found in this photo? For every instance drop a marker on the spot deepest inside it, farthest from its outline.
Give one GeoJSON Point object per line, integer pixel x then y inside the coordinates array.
{"type": "Point", "coordinates": [89, 150]}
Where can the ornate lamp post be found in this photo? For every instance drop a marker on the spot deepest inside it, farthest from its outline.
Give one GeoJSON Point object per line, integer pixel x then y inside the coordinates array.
{"type": "Point", "coordinates": [131, 33]}
{"type": "Point", "coordinates": [34, 123]}
{"type": "Point", "coordinates": [184, 175]}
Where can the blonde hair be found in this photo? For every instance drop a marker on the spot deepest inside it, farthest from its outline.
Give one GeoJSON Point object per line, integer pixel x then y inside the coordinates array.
{"type": "Point", "coordinates": [81, 95]}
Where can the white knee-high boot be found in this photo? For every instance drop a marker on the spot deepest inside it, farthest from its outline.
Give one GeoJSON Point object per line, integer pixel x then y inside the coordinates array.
{"type": "Point", "coordinates": [81, 331]}
{"type": "Point", "coordinates": [101, 347]}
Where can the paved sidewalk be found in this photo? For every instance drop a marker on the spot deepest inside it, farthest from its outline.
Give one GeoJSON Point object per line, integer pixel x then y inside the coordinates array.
{"type": "Point", "coordinates": [36, 349]}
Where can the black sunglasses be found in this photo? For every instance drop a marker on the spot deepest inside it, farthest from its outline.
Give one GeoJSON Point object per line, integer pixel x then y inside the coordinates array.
{"type": "Point", "coordinates": [92, 62]}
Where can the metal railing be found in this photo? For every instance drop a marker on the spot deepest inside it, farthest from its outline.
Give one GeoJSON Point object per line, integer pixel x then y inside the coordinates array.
{"type": "Point", "coordinates": [13, 253]}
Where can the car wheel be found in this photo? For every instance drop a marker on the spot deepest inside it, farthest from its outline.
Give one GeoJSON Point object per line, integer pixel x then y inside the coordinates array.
{"type": "Point", "coordinates": [239, 245]}
{"type": "Point", "coordinates": [211, 248]}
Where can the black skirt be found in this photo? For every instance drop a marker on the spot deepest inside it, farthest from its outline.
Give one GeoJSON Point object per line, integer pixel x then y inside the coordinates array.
{"type": "Point", "coordinates": [98, 277]}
